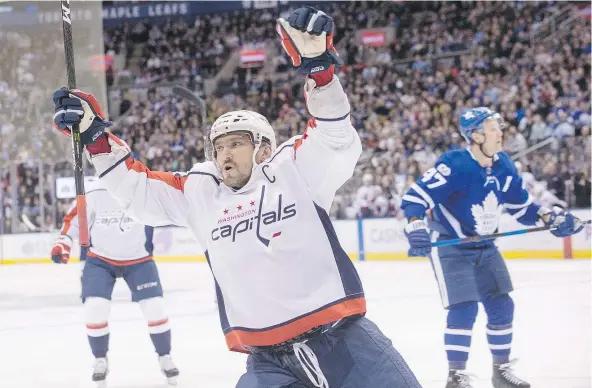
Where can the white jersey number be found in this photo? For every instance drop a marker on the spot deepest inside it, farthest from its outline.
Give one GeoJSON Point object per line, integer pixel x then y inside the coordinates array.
{"type": "Point", "coordinates": [436, 174]}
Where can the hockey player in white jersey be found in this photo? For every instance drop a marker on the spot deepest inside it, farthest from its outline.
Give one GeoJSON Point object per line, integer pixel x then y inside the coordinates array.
{"type": "Point", "coordinates": [120, 248]}
{"type": "Point", "coordinates": [287, 292]}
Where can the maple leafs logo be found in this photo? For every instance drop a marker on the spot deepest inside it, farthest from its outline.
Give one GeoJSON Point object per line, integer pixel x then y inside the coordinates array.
{"type": "Point", "coordinates": [487, 216]}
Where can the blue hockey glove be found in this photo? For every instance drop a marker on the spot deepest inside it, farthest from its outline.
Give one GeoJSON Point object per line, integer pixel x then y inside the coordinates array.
{"type": "Point", "coordinates": [307, 37]}
{"type": "Point", "coordinates": [75, 107]}
{"type": "Point", "coordinates": [419, 239]}
{"type": "Point", "coordinates": [563, 224]}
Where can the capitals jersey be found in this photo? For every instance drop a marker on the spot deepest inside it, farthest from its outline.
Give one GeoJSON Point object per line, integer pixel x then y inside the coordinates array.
{"type": "Point", "coordinates": [115, 236]}
{"type": "Point", "coordinates": [467, 199]}
{"type": "Point", "coordinates": [278, 267]}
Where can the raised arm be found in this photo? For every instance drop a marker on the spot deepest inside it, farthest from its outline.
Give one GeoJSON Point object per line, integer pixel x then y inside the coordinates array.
{"type": "Point", "coordinates": [327, 153]}
{"type": "Point", "coordinates": [153, 198]}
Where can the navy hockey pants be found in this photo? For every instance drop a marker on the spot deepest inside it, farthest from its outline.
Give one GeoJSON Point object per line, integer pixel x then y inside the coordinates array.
{"type": "Point", "coordinates": [469, 274]}
{"type": "Point", "coordinates": [352, 354]}
{"type": "Point", "coordinates": [98, 279]}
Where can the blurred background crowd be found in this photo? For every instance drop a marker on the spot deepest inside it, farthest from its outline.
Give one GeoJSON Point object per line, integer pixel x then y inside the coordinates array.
{"type": "Point", "coordinates": [412, 68]}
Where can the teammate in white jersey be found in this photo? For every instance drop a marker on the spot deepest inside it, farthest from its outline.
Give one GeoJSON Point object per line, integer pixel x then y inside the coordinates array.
{"type": "Point", "coordinates": [120, 248]}
{"type": "Point", "coordinates": [287, 292]}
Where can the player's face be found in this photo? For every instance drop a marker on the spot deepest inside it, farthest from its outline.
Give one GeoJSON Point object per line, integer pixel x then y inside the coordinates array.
{"type": "Point", "coordinates": [234, 156]}
{"type": "Point", "coordinates": [493, 136]}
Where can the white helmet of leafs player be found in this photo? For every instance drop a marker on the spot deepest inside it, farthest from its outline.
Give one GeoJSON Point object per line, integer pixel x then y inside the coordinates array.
{"type": "Point", "coordinates": [253, 123]}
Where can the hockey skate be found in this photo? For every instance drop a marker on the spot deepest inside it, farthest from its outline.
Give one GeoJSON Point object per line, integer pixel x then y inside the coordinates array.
{"type": "Point", "coordinates": [100, 371]}
{"type": "Point", "coordinates": [458, 379]}
{"type": "Point", "coordinates": [504, 377]}
{"type": "Point", "coordinates": [169, 369]}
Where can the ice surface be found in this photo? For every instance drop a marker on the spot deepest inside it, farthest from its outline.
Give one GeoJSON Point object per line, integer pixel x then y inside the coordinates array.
{"type": "Point", "coordinates": [43, 341]}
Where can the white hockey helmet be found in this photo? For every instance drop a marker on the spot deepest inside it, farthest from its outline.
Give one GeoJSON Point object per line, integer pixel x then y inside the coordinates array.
{"type": "Point", "coordinates": [243, 121]}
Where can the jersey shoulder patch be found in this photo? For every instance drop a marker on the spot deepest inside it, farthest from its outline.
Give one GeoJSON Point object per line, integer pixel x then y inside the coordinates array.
{"type": "Point", "coordinates": [454, 162]}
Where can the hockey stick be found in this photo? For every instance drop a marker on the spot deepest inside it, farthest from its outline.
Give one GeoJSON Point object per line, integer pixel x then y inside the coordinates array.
{"type": "Point", "coordinates": [188, 95]}
{"type": "Point", "coordinates": [488, 237]}
{"type": "Point", "coordinates": [76, 144]}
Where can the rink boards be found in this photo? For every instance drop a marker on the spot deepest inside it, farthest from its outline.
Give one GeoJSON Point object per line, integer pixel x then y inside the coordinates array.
{"type": "Point", "coordinates": [370, 239]}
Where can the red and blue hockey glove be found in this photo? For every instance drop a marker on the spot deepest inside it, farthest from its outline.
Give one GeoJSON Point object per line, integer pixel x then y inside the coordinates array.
{"type": "Point", "coordinates": [307, 37]}
{"type": "Point", "coordinates": [76, 107]}
{"type": "Point", "coordinates": [563, 224]}
{"type": "Point", "coordinates": [419, 239]}
{"type": "Point", "coordinates": [60, 252]}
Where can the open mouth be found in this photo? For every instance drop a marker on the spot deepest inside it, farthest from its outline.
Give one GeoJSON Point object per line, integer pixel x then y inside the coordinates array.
{"type": "Point", "coordinates": [228, 168]}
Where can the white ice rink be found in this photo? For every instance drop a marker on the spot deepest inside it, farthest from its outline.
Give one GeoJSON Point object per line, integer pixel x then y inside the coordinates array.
{"type": "Point", "coordinates": [43, 341]}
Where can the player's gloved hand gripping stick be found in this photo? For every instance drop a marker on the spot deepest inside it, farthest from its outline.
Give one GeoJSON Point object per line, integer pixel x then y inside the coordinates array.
{"type": "Point", "coordinates": [558, 222]}
{"type": "Point", "coordinates": [554, 228]}
{"type": "Point", "coordinates": [420, 244]}
{"type": "Point", "coordinates": [76, 108]}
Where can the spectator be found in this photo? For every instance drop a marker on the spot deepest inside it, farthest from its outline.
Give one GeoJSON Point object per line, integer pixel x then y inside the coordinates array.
{"type": "Point", "coordinates": [515, 142]}
{"type": "Point", "coordinates": [554, 182]}
{"type": "Point", "coordinates": [582, 190]}
{"type": "Point", "coordinates": [545, 197]}
{"type": "Point", "coordinates": [539, 130]}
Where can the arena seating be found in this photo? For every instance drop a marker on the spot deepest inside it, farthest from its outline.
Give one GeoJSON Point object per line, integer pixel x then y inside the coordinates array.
{"type": "Point", "coordinates": [405, 101]}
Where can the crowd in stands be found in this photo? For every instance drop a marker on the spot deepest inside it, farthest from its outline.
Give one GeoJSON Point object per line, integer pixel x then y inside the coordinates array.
{"type": "Point", "coordinates": [405, 101]}
{"type": "Point", "coordinates": [27, 76]}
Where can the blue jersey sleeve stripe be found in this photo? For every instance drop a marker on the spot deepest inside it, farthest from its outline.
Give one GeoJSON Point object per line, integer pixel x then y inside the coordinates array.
{"type": "Point", "coordinates": [507, 184]}
{"type": "Point", "coordinates": [413, 205]}
{"type": "Point", "coordinates": [520, 213]}
{"type": "Point", "coordinates": [528, 215]}
{"type": "Point", "coordinates": [414, 199]}
{"type": "Point", "coordinates": [423, 194]}
{"type": "Point", "coordinates": [514, 206]}
{"type": "Point", "coordinates": [413, 210]}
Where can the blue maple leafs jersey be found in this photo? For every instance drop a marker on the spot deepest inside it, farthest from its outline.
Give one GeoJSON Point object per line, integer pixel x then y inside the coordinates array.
{"type": "Point", "coordinates": [467, 199]}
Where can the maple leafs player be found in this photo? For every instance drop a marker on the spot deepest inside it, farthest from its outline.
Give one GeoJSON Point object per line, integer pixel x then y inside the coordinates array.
{"type": "Point", "coordinates": [466, 191]}
{"type": "Point", "coordinates": [287, 292]}
{"type": "Point", "coordinates": [120, 248]}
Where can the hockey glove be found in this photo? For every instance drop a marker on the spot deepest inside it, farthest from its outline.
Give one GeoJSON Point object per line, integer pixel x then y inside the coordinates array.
{"type": "Point", "coordinates": [563, 224]}
{"type": "Point", "coordinates": [307, 37]}
{"type": "Point", "coordinates": [60, 252]}
{"type": "Point", "coordinates": [419, 239]}
{"type": "Point", "coordinates": [76, 107]}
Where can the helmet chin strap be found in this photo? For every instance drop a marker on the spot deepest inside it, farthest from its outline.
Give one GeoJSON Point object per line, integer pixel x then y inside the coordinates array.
{"type": "Point", "coordinates": [482, 150]}
{"type": "Point", "coordinates": [255, 151]}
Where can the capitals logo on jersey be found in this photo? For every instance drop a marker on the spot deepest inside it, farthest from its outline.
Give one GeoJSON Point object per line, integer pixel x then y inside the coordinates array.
{"type": "Point", "coordinates": [232, 231]}
{"type": "Point", "coordinates": [114, 218]}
